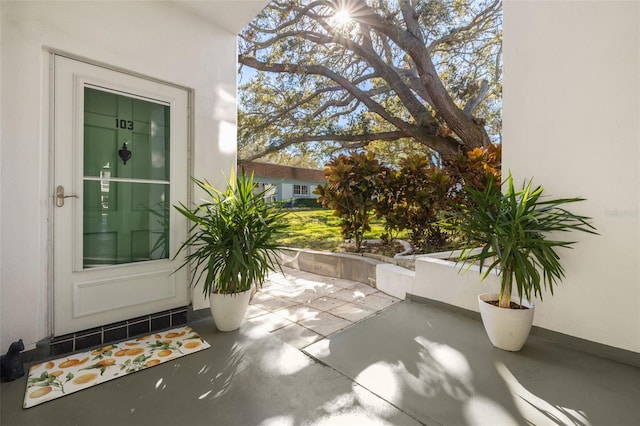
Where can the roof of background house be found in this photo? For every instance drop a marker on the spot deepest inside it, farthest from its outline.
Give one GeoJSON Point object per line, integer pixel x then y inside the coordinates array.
{"type": "Point", "coordinates": [267, 170]}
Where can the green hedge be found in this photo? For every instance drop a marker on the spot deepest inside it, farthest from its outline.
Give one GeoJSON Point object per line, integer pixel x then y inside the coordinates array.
{"type": "Point", "coordinates": [311, 203]}
{"type": "Point", "coordinates": [307, 202]}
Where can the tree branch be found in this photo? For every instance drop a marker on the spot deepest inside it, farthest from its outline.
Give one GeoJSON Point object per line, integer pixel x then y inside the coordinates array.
{"type": "Point", "coordinates": [359, 140]}
{"type": "Point", "coordinates": [349, 87]}
{"type": "Point", "coordinates": [475, 101]}
{"type": "Point", "coordinates": [411, 19]}
{"type": "Point", "coordinates": [472, 134]}
{"type": "Point", "coordinates": [476, 22]}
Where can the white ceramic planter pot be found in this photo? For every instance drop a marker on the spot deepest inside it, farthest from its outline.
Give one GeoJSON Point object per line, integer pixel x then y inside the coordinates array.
{"type": "Point", "coordinates": [228, 310]}
{"type": "Point", "coordinates": [507, 329]}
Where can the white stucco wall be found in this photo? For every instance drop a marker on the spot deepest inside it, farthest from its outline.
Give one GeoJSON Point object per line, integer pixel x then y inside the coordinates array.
{"type": "Point", "coordinates": [572, 121]}
{"type": "Point", "coordinates": [154, 39]}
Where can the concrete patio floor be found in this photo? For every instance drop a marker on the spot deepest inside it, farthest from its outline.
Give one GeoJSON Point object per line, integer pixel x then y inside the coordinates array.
{"type": "Point", "coordinates": [301, 308]}
{"type": "Point", "coordinates": [403, 363]}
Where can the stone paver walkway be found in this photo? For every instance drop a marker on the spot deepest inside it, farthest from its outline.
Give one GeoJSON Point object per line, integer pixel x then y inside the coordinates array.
{"type": "Point", "coordinates": [301, 308]}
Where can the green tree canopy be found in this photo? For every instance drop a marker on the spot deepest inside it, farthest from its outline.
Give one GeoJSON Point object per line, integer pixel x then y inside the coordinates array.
{"type": "Point", "coordinates": [350, 72]}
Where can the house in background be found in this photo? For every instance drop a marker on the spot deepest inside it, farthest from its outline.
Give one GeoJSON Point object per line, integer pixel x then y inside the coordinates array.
{"type": "Point", "coordinates": [284, 183]}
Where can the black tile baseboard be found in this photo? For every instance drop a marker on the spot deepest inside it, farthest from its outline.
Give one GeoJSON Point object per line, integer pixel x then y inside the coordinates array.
{"type": "Point", "coordinates": [122, 330]}
{"type": "Point", "coordinates": [88, 341]}
{"type": "Point", "coordinates": [139, 327]}
{"type": "Point", "coordinates": [160, 322]}
{"type": "Point", "coordinates": [113, 334]}
{"type": "Point", "coordinates": [179, 318]}
{"type": "Point", "coordinates": [62, 347]}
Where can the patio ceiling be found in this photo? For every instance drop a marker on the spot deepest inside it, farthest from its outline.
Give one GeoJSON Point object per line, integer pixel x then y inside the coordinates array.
{"type": "Point", "coordinates": [231, 15]}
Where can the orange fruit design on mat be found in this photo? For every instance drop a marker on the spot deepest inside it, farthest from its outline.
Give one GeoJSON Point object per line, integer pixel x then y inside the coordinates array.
{"type": "Point", "coordinates": [70, 363]}
{"type": "Point", "coordinates": [56, 373]}
{"type": "Point", "coordinates": [121, 352]}
{"type": "Point", "coordinates": [106, 362]}
{"type": "Point", "coordinates": [157, 336]}
{"type": "Point", "coordinates": [85, 378]}
{"type": "Point", "coordinates": [49, 365]}
{"type": "Point", "coordinates": [152, 362]}
{"type": "Point", "coordinates": [191, 345]}
{"type": "Point", "coordinates": [164, 353]}
{"type": "Point", "coordinates": [132, 343]}
{"type": "Point", "coordinates": [143, 338]}
{"type": "Point", "coordinates": [40, 392]}
{"type": "Point", "coordinates": [136, 351]}
{"type": "Point", "coordinates": [102, 350]}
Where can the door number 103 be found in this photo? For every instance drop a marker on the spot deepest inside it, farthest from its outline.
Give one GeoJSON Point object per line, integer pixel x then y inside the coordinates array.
{"type": "Point", "coordinates": [124, 124]}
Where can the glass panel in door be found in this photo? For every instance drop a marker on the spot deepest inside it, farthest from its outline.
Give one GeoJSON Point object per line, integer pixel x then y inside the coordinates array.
{"type": "Point", "coordinates": [126, 186]}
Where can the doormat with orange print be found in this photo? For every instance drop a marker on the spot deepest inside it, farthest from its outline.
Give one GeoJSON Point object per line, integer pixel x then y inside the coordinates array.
{"type": "Point", "coordinates": [60, 377]}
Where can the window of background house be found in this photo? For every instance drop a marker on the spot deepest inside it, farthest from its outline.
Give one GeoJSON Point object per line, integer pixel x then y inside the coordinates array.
{"type": "Point", "coordinates": [300, 190]}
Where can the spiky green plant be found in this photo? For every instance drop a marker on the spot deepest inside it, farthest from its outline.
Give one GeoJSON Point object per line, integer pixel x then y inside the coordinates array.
{"type": "Point", "coordinates": [231, 242]}
{"type": "Point", "coordinates": [512, 230]}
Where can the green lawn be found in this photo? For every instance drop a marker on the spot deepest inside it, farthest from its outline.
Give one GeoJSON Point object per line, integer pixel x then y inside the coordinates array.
{"type": "Point", "coordinates": [319, 230]}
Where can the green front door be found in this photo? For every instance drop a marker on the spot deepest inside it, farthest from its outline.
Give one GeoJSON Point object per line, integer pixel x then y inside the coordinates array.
{"type": "Point", "coordinates": [126, 182]}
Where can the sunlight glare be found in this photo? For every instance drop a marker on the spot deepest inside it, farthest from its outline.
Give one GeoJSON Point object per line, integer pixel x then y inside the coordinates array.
{"type": "Point", "coordinates": [227, 137]}
{"type": "Point", "coordinates": [480, 407]}
{"type": "Point", "coordinates": [204, 395]}
{"type": "Point", "coordinates": [452, 361]}
{"type": "Point", "coordinates": [381, 379]}
{"type": "Point", "coordinates": [284, 361]}
{"type": "Point", "coordinates": [278, 421]}
{"type": "Point", "coordinates": [339, 403]}
{"type": "Point", "coordinates": [342, 17]}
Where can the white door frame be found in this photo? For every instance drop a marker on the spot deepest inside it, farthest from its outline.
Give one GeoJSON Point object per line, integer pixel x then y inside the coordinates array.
{"type": "Point", "coordinates": [52, 175]}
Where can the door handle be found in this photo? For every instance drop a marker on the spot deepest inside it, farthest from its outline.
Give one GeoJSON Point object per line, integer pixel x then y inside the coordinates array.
{"type": "Point", "coordinates": [60, 196]}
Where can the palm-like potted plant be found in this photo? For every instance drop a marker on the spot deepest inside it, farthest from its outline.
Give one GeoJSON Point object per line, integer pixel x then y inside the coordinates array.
{"type": "Point", "coordinates": [512, 231]}
{"type": "Point", "coordinates": [231, 247]}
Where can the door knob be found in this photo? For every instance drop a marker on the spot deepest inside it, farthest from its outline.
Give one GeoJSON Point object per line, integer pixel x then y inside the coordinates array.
{"type": "Point", "coordinates": [60, 196]}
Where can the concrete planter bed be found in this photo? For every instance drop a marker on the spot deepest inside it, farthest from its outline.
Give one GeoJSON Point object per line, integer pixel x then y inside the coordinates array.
{"type": "Point", "coordinates": [434, 277]}
{"type": "Point", "coordinates": [338, 265]}
{"type": "Point", "coordinates": [441, 279]}
{"type": "Point", "coordinates": [407, 262]}
{"type": "Point", "coordinates": [381, 272]}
